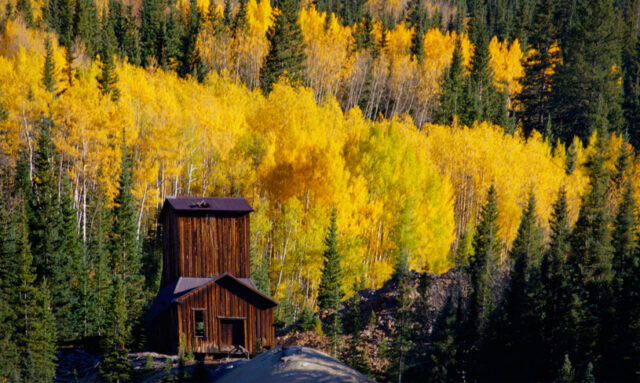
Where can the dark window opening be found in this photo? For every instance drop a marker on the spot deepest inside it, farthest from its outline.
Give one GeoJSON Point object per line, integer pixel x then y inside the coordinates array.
{"type": "Point", "coordinates": [199, 321]}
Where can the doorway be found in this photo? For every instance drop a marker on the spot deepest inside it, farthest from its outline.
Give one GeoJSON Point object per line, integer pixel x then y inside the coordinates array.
{"type": "Point", "coordinates": [231, 333]}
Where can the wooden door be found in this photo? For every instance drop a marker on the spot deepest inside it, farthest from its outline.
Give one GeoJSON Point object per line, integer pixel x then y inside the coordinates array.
{"type": "Point", "coordinates": [231, 333]}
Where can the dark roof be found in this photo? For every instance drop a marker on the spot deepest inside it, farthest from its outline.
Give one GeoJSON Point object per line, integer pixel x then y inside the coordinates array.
{"type": "Point", "coordinates": [170, 293]}
{"type": "Point", "coordinates": [177, 290]}
{"type": "Point", "coordinates": [203, 205]}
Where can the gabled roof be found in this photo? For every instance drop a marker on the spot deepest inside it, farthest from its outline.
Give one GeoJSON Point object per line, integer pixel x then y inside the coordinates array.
{"type": "Point", "coordinates": [204, 205]}
{"type": "Point", "coordinates": [182, 287]}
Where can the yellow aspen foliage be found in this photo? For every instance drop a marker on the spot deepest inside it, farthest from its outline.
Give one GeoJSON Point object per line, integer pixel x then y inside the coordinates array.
{"type": "Point", "coordinates": [506, 62]}
{"type": "Point", "coordinates": [327, 43]}
{"type": "Point", "coordinates": [475, 158]}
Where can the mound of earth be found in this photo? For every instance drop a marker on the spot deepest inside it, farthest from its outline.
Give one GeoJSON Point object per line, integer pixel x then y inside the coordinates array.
{"type": "Point", "coordinates": [290, 364]}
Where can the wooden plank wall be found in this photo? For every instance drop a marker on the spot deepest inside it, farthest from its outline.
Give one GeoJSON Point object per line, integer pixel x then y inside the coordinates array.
{"type": "Point", "coordinates": [203, 246]}
{"type": "Point", "coordinates": [221, 302]}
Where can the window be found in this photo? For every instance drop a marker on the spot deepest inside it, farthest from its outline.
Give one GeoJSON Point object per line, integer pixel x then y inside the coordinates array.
{"type": "Point", "coordinates": [198, 316]}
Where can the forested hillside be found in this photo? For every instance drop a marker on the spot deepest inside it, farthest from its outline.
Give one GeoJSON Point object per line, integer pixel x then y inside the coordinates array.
{"type": "Point", "coordinates": [402, 117]}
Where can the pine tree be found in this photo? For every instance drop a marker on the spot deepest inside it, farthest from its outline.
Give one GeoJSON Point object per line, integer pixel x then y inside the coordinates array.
{"type": "Point", "coordinates": [631, 74]}
{"type": "Point", "coordinates": [556, 295]}
{"type": "Point", "coordinates": [566, 373]}
{"type": "Point", "coordinates": [538, 66]}
{"type": "Point", "coordinates": [329, 291]}
{"type": "Point", "coordinates": [131, 39]}
{"type": "Point", "coordinates": [515, 334]}
{"type": "Point", "coordinates": [487, 251]}
{"type": "Point", "coordinates": [585, 94]}
{"type": "Point", "coordinates": [49, 70]}
{"type": "Point", "coordinates": [442, 362]}
{"type": "Point", "coordinates": [451, 99]}
{"type": "Point", "coordinates": [125, 249]}
{"type": "Point", "coordinates": [51, 260]}
{"type": "Point", "coordinates": [190, 58]}
{"type": "Point", "coordinates": [401, 342]}
{"type": "Point", "coordinates": [116, 366]}
{"type": "Point", "coordinates": [84, 25]}
{"type": "Point", "coordinates": [482, 102]}
{"type": "Point", "coordinates": [108, 78]}
{"type": "Point", "coordinates": [590, 261]}
{"type": "Point", "coordinates": [618, 360]}
{"type": "Point", "coordinates": [99, 261]}
{"type": "Point", "coordinates": [25, 8]}
{"type": "Point", "coordinates": [77, 315]}
{"type": "Point", "coordinates": [354, 353]}
{"type": "Point", "coordinates": [35, 327]}
{"type": "Point", "coordinates": [150, 29]}
{"type": "Point", "coordinates": [286, 55]}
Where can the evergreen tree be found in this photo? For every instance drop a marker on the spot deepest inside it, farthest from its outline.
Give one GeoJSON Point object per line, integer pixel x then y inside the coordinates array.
{"type": "Point", "coordinates": [565, 374]}
{"type": "Point", "coordinates": [84, 25]}
{"type": "Point", "coordinates": [78, 314]}
{"type": "Point", "coordinates": [585, 94]}
{"type": "Point", "coordinates": [150, 30]}
{"type": "Point", "coordinates": [99, 261]}
{"type": "Point", "coordinates": [354, 353]}
{"type": "Point", "coordinates": [190, 58]}
{"type": "Point", "coordinates": [556, 295]}
{"type": "Point", "coordinates": [125, 249]}
{"type": "Point", "coordinates": [482, 101]}
{"type": "Point", "coordinates": [25, 8]}
{"type": "Point", "coordinates": [329, 291]}
{"type": "Point", "coordinates": [513, 336]}
{"type": "Point", "coordinates": [116, 366]}
{"type": "Point", "coordinates": [286, 55]}
{"type": "Point", "coordinates": [131, 40]}
{"type": "Point", "coordinates": [590, 261]}
{"type": "Point", "coordinates": [631, 74]}
{"type": "Point", "coordinates": [35, 327]}
{"type": "Point", "coordinates": [482, 267]}
{"type": "Point", "coordinates": [451, 99]}
{"type": "Point", "coordinates": [51, 260]}
{"type": "Point", "coordinates": [618, 358]}
{"type": "Point", "coordinates": [442, 362]}
{"type": "Point", "coordinates": [108, 78]}
{"type": "Point", "coordinates": [49, 70]}
{"type": "Point", "coordinates": [538, 66]}
{"type": "Point", "coordinates": [401, 342]}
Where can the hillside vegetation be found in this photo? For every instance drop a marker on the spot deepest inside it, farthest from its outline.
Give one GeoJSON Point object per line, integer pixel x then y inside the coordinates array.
{"type": "Point", "coordinates": [419, 123]}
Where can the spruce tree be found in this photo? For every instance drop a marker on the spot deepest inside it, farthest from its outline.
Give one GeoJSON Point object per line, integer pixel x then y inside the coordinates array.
{"type": "Point", "coordinates": [329, 291]}
{"type": "Point", "coordinates": [150, 29]}
{"type": "Point", "coordinates": [116, 366]}
{"type": "Point", "coordinates": [98, 254]}
{"type": "Point", "coordinates": [514, 339]}
{"type": "Point", "coordinates": [190, 63]}
{"type": "Point", "coordinates": [286, 55]}
{"type": "Point", "coordinates": [585, 92]}
{"type": "Point", "coordinates": [618, 358]}
{"type": "Point", "coordinates": [538, 66]}
{"type": "Point", "coordinates": [590, 261]}
{"type": "Point", "coordinates": [108, 78]}
{"type": "Point", "coordinates": [49, 70]}
{"type": "Point", "coordinates": [442, 359]}
{"type": "Point", "coordinates": [84, 25]}
{"type": "Point", "coordinates": [451, 99]}
{"type": "Point", "coordinates": [401, 341]}
{"type": "Point", "coordinates": [125, 249]}
{"type": "Point", "coordinates": [556, 295]}
{"type": "Point", "coordinates": [354, 353]}
{"type": "Point", "coordinates": [51, 260]}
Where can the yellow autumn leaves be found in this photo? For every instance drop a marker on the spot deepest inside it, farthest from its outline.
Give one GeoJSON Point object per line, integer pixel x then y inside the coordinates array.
{"type": "Point", "coordinates": [293, 158]}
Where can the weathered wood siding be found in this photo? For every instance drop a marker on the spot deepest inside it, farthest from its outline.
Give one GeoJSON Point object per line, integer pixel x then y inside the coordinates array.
{"type": "Point", "coordinates": [221, 302]}
{"type": "Point", "coordinates": [205, 245]}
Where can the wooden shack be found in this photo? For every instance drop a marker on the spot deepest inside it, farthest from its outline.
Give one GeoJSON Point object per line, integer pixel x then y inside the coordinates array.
{"type": "Point", "coordinates": [207, 301]}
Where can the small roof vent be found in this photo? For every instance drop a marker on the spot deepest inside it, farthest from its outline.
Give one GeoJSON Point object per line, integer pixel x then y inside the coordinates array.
{"type": "Point", "coordinates": [202, 204]}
